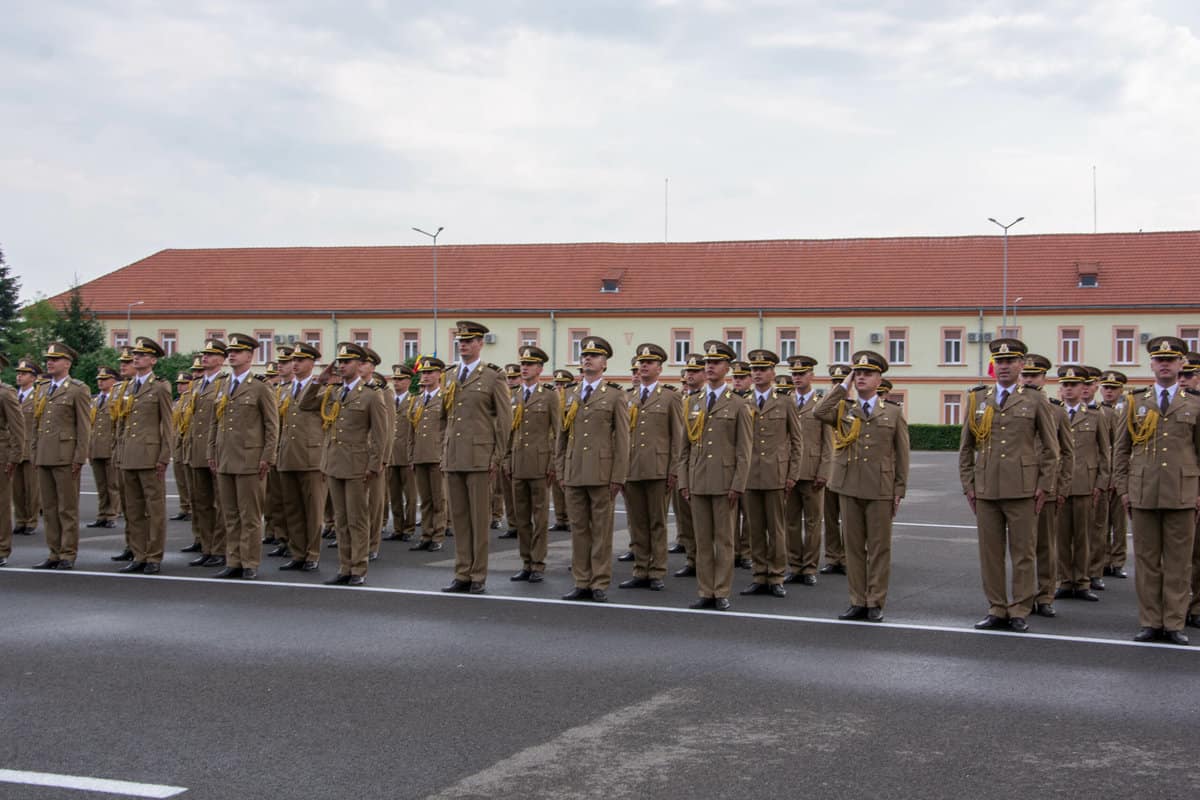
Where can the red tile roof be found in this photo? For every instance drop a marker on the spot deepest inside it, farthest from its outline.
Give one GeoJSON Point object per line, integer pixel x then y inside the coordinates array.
{"type": "Point", "coordinates": [845, 275]}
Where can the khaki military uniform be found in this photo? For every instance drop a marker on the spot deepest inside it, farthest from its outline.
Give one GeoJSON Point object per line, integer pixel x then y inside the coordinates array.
{"type": "Point", "coordinates": [302, 484]}
{"type": "Point", "coordinates": [208, 523]}
{"type": "Point", "coordinates": [1091, 463]}
{"type": "Point", "coordinates": [717, 451]}
{"type": "Point", "coordinates": [1005, 468]}
{"type": "Point", "coordinates": [478, 426]}
{"type": "Point", "coordinates": [274, 513]}
{"type": "Point", "coordinates": [805, 503]}
{"type": "Point", "coordinates": [64, 423]}
{"type": "Point", "coordinates": [1157, 464]}
{"type": "Point", "coordinates": [377, 487]}
{"type": "Point", "coordinates": [246, 434]}
{"type": "Point", "coordinates": [146, 435]}
{"type": "Point", "coordinates": [428, 418]}
{"type": "Point", "coordinates": [27, 501]}
{"type": "Point", "coordinates": [775, 461]}
{"type": "Point", "coordinates": [685, 530]}
{"type": "Point", "coordinates": [402, 481]}
{"type": "Point", "coordinates": [179, 455]}
{"type": "Point", "coordinates": [592, 455]}
{"type": "Point", "coordinates": [101, 452]}
{"type": "Point", "coordinates": [655, 447]}
{"type": "Point", "coordinates": [1117, 533]}
{"type": "Point", "coordinates": [12, 444]}
{"type": "Point", "coordinates": [537, 422]}
{"type": "Point", "coordinates": [1098, 536]}
{"type": "Point", "coordinates": [1046, 553]}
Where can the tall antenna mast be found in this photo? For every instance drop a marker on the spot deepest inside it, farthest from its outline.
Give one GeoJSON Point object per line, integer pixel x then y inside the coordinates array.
{"type": "Point", "coordinates": [1093, 198]}
{"type": "Point", "coordinates": [666, 209]}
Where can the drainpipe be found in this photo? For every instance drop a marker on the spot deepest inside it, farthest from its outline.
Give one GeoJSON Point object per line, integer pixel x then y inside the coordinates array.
{"type": "Point", "coordinates": [336, 338]}
{"type": "Point", "coordinates": [760, 329]}
{"type": "Point", "coordinates": [553, 342]}
{"type": "Point", "coordinates": [981, 343]}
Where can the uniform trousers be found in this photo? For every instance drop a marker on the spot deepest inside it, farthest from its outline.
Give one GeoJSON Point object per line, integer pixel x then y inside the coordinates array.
{"type": "Point", "coordinates": [145, 514]}
{"type": "Point", "coordinates": [241, 499]}
{"type": "Point", "coordinates": [402, 492]}
{"type": "Point", "coordinates": [685, 527]}
{"type": "Point", "coordinates": [497, 498]}
{"type": "Point", "coordinates": [1118, 530]}
{"type": "Point", "coordinates": [867, 534]}
{"type": "Point", "coordinates": [741, 531]}
{"type": "Point", "coordinates": [835, 549]}
{"type": "Point", "coordinates": [803, 510]}
{"type": "Point", "coordinates": [470, 500]}
{"type": "Point", "coordinates": [1194, 608]}
{"type": "Point", "coordinates": [328, 514]}
{"type": "Point", "coordinates": [510, 501]}
{"type": "Point", "coordinates": [275, 518]}
{"type": "Point", "coordinates": [766, 529]}
{"type": "Point", "coordinates": [712, 520]}
{"type": "Point", "coordinates": [27, 501]}
{"type": "Point", "coordinates": [431, 488]}
{"type": "Point", "coordinates": [183, 486]}
{"type": "Point", "coordinates": [352, 519]}
{"type": "Point", "coordinates": [560, 504]}
{"type": "Point", "coordinates": [59, 491]}
{"type": "Point", "coordinates": [6, 514]}
{"type": "Point", "coordinates": [1046, 552]}
{"type": "Point", "coordinates": [377, 504]}
{"type": "Point", "coordinates": [303, 493]}
{"type": "Point", "coordinates": [531, 513]}
{"type": "Point", "coordinates": [646, 513]}
{"type": "Point", "coordinates": [208, 523]}
{"type": "Point", "coordinates": [1162, 552]}
{"type": "Point", "coordinates": [591, 511]}
{"type": "Point", "coordinates": [108, 499]}
{"type": "Point", "coordinates": [1007, 526]}
{"type": "Point", "coordinates": [1073, 535]}
{"type": "Point", "coordinates": [1098, 539]}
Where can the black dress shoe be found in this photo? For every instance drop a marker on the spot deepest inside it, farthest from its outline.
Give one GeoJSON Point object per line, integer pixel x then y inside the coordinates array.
{"type": "Point", "coordinates": [721, 603]}
{"type": "Point", "coordinates": [777, 590]}
{"type": "Point", "coordinates": [599, 596]}
{"type": "Point", "coordinates": [295, 563]}
{"type": "Point", "coordinates": [421, 545]}
{"type": "Point", "coordinates": [357, 580]}
{"type": "Point", "coordinates": [151, 569]}
{"type": "Point", "coordinates": [181, 516]}
{"type": "Point", "coordinates": [686, 571]}
{"type": "Point", "coordinates": [326, 533]}
{"type": "Point", "coordinates": [808, 580]}
{"type": "Point", "coordinates": [677, 548]}
{"type": "Point", "coordinates": [536, 576]}
{"type": "Point", "coordinates": [1107, 572]}
{"type": "Point", "coordinates": [755, 588]}
{"type": "Point", "coordinates": [29, 530]}
{"type": "Point", "coordinates": [229, 572]}
{"type": "Point", "coordinates": [395, 537]}
{"type": "Point", "coordinates": [249, 573]}
{"type": "Point", "coordinates": [214, 561]}
{"type": "Point", "coordinates": [49, 563]}
{"type": "Point", "coordinates": [133, 566]}
{"type": "Point", "coordinates": [560, 526]}
{"type": "Point", "coordinates": [833, 569]}
{"type": "Point", "coordinates": [1147, 634]}
{"type": "Point", "coordinates": [991, 623]}
{"type": "Point", "coordinates": [495, 525]}
{"type": "Point", "coordinates": [626, 556]}
{"type": "Point", "coordinates": [457, 587]}
{"type": "Point", "coordinates": [1176, 637]}
{"type": "Point", "coordinates": [1087, 594]}
{"type": "Point", "coordinates": [270, 540]}
{"type": "Point", "coordinates": [1098, 585]}
{"type": "Point", "coordinates": [332, 544]}
{"type": "Point", "coordinates": [1193, 621]}
{"type": "Point", "coordinates": [854, 612]}
{"type": "Point", "coordinates": [124, 555]}
{"type": "Point", "coordinates": [101, 523]}
{"type": "Point", "coordinates": [656, 585]}
{"type": "Point", "coordinates": [1063, 592]}
{"type": "Point", "coordinates": [1045, 610]}
{"type": "Point", "coordinates": [578, 594]}
{"type": "Point", "coordinates": [338, 580]}
{"type": "Point", "coordinates": [743, 563]}
{"type": "Point", "coordinates": [511, 533]}
{"type": "Point", "coordinates": [281, 550]}
{"type": "Point", "coordinates": [310, 566]}
{"type": "Point", "coordinates": [704, 602]}
{"type": "Point", "coordinates": [635, 583]}
{"type": "Point", "coordinates": [65, 564]}
{"type": "Point", "coordinates": [194, 547]}
{"type": "Point", "coordinates": [434, 547]}
{"type": "Point", "coordinates": [874, 614]}
{"type": "Point", "coordinates": [3, 561]}
{"type": "Point", "coordinates": [1119, 572]}
{"type": "Point", "coordinates": [1018, 625]}
{"type": "Point", "coordinates": [523, 575]}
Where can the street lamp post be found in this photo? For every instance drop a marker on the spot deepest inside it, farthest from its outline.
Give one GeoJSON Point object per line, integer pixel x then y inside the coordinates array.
{"type": "Point", "coordinates": [1014, 308]}
{"type": "Point", "coordinates": [434, 236]}
{"type": "Point", "coordinates": [1004, 297]}
{"type": "Point", "coordinates": [129, 319]}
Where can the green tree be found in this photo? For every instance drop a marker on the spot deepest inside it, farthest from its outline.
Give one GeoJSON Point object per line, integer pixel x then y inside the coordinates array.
{"type": "Point", "coordinates": [78, 327]}
{"type": "Point", "coordinates": [10, 308]}
{"type": "Point", "coordinates": [38, 327]}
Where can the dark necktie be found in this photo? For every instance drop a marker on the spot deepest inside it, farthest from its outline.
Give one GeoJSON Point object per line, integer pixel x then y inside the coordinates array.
{"type": "Point", "coordinates": [1003, 398]}
{"type": "Point", "coordinates": [1071, 415]}
{"type": "Point", "coordinates": [462, 376]}
{"type": "Point", "coordinates": [645, 394]}
{"type": "Point", "coordinates": [100, 404]}
{"type": "Point", "coordinates": [427, 396]}
{"type": "Point", "coordinates": [528, 392]}
{"type": "Point", "coordinates": [138, 388]}
{"type": "Point", "coordinates": [345, 391]}
{"type": "Point", "coordinates": [761, 401]}
{"type": "Point", "coordinates": [800, 401]}
{"type": "Point", "coordinates": [54, 386]}
{"type": "Point", "coordinates": [399, 401]}
{"type": "Point", "coordinates": [1164, 401]}
{"type": "Point", "coordinates": [712, 401]}
{"type": "Point", "coordinates": [587, 392]}
{"type": "Point", "coordinates": [867, 407]}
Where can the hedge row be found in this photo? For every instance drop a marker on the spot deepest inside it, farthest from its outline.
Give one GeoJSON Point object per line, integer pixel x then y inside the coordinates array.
{"type": "Point", "coordinates": [934, 437]}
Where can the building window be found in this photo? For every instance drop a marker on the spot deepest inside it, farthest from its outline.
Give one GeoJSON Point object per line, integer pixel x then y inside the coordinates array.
{"type": "Point", "coordinates": [529, 337]}
{"type": "Point", "coordinates": [312, 339]}
{"type": "Point", "coordinates": [1069, 351]}
{"type": "Point", "coordinates": [787, 343]}
{"type": "Point", "coordinates": [410, 345]}
{"type": "Point", "coordinates": [169, 341]}
{"type": "Point", "coordinates": [214, 333]}
{"type": "Point", "coordinates": [1124, 345]}
{"type": "Point", "coordinates": [899, 397]}
{"type": "Point", "coordinates": [951, 408]}
{"type": "Point", "coordinates": [1011, 332]}
{"type": "Point", "coordinates": [842, 347]}
{"type": "Point", "coordinates": [120, 339]}
{"type": "Point", "coordinates": [610, 285]}
{"type": "Point", "coordinates": [1191, 337]}
{"type": "Point", "coordinates": [361, 337]}
{"type": "Point", "coordinates": [952, 345]}
{"type": "Point", "coordinates": [577, 336]}
{"type": "Point", "coordinates": [897, 345]}
{"type": "Point", "coordinates": [681, 344]}
{"type": "Point", "coordinates": [736, 339]}
{"type": "Point", "coordinates": [1089, 281]}
{"type": "Point", "coordinates": [266, 346]}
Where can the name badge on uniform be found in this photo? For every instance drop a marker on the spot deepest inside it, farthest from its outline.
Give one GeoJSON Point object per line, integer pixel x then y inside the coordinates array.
{"type": "Point", "coordinates": [1141, 412]}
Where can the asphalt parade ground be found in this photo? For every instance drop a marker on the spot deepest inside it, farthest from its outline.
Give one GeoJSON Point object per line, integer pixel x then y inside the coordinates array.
{"type": "Point", "coordinates": [182, 685]}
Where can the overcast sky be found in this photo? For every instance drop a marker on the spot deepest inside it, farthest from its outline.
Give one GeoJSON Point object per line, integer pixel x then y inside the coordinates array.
{"type": "Point", "coordinates": [129, 127]}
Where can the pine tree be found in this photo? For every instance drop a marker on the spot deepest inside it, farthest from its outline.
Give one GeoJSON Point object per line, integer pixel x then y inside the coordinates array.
{"type": "Point", "coordinates": [10, 308]}
{"type": "Point", "coordinates": [78, 327]}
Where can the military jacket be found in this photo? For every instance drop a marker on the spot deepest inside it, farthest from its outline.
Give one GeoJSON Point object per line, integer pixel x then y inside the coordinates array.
{"type": "Point", "coordinates": [816, 460]}
{"type": "Point", "coordinates": [203, 417]}
{"type": "Point", "coordinates": [998, 456]}
{"type": "Point", "coordinates": [64, 424]}
{"type": "Point", "coordinates": [537, 423]}
{"type": "Point", "coordinates": [245, 432]}
{"type": "Point", "coordinates": [1091, 448]}
{"type": "Point", "coordinates": [355, 436]}
{"type": "Point", "coordinates": [27, 411]}
{"type": "Point", "coordinates": [717, 444]}
{"type": "Point", "coordinates": [179, 425]}
{"type": "Point", "coordinates": [104, 428]}
{"type": "Point", "coordinates": [119, 405]}
{"type": "Point", "coordinates": [12, 426]}
{"type": "Point", "coordinates": [1066, 445]}
{"type": "Point", "coordinates": [478, 419]}
{"type": "Point", "coordinates": [656, 433]}
{"type": "Point", "coordinates": [593, 445]}
{"type": "Point", "coordinates": [873, 465]}
{"type": "Point", "coordinates": [1157, 461]}
{"type": "Point", "coordinates": [301, 436]}
{"type": "Point", "coordinates": [428, 429]}
{"type": "Point", "coordinates": [146, 431]}
{"type": "Point", "coordinates": [401, 452]}
{"type": "Point", "coordinates": [778, 448]}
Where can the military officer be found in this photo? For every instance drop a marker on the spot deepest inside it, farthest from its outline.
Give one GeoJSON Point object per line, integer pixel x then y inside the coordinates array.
{"type": "Point", "coordinates": [119, 405]}
{"type": "Point", "coordinates": [1112, 393]}
{"type": "Point", "coordinates": [402, 482]}
{"type": "Point", "coordinates": [104, 470]}
{"type": "Point", "coordinates": [739, 377]}
{"type": "Point", "coordinates": [12, 443]}
{"type": "Point", "coordinates": [693, 380]}
{"type": "Point", "coordinates": [27, 505]}
{"type": "Point", "coordinates": [301, 482]}
{"type": "Point", "coordinates": [529, 463]}
{"type": "Point", "coordinates": [64, 420]}
{"type": "Point", "coordinates": [1157, 466]}
{"type": "Point", "coordinates": [427, 418]}
{"type": "Point", "coordinates": [1091, 460]}
{"type": "Point", "coordinates": [740, 381]}
{"type": "Point", "coordinates": [279, 378]}
{"type": "Point", "coordinates": [656, 443]}
{"type": "Point", "coordinates": [242, 446]}
{"type": "Point", "coordinates": [805, 501]}
{"type": "Point", "coordinates": [835, 550]}
{"type": "Point", "coordinates": [1006, 480]}
{"type": "Point", "coordinates": [377, 488]}
{"type": "Point", "coordinates": [775, 461]}
{"type": "Point", "coordinates": [717, 451]}
{"type": "Point", "coordinates": [870, 476]}
{"type": "Point", "coordinates": [502, 491]}
{"type": "Point", "coordinates": [563, 381]}
{"type": "Point", "coordinates": [182, 452]}
{"type": "Point", "coordinates": [1097, 556]}
{"type": "Point", "coordinates": [208, 523]}
{"type": "Point", "coordinates": [478, 426]}
{"type": "Point", "coordinates": [183, 385]}
{"type": "Point", "coordinates": [593, 460]}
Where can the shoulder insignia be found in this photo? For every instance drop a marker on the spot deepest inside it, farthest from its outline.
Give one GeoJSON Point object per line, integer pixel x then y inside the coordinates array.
{"type": "Point", "coordinates": [668, 386]}
{"type": "Point", "coordinates": [450, 367]}
{"type": "Point", "coordinates": [77, 382]}
{"type": "Point", "coordinates": [978, 388]}
{"type": "Point", "coordinates": [366, 385]}
{"type": "Point", "coordinates": [494, 367]}
{"type": "Point", "coordinates": [780, 391]}
{"type": "Point", "coordinates": [612, 385]}
{"type": "Point", "coordinates": [1056, 401]}
{"type": "Point", "coordinates": [1093, 406]}
{"type": "Point", "coordinates": [819, 393]}
{"type": "Point", "coordinates": [1140, 390]}
{"type": "Point", "coordinates": [892, 403]}
{"type": "Point", "coordinates": [1193, 392]}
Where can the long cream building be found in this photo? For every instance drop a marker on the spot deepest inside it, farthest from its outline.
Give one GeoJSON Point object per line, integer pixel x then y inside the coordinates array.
{"type": "Point", "coordinates": [930, 305]}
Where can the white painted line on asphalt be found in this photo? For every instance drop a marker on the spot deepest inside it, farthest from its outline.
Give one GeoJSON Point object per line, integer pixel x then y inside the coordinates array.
{"type": "Point", "coordinates": [103, 785]}
{"type": "Point", "coordinates": [168, 496]}
{"type": "Point", "coordinates": [933, 525]}
{"type": "Point", "coordinates": [553, 601]}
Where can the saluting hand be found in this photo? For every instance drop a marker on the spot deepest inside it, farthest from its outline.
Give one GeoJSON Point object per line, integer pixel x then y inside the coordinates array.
{"type": "Point", "coordinates": [971, 499]}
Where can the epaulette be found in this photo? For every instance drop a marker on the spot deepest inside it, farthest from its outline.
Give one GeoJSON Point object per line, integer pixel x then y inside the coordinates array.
{"type": "Point", "coordinates": [818, 393]}
{"type": "Point", "coordinates": [1034, 388]}
{"type": "Point", "coordinates": [1194, 392]}
{"type": "Point", "coordinates": [449, 367]}
{"type": "Point", "coordinates": [669, 386]}
{"type": "Point", "coordinates": [1056, 401]}
{"type": "Point", "coordinates": [779, 390]}
{"type": "Point", "coordinates": [1140, 390]}
{"type": "Point", "coordinates": [493, 366]}
{"type": "Point", "coordinates": [631, 390]}
{"type": "Point", "coordinates": [262, 378]}
{"type": "Point", "coordinates": [978, 388]}
{"type": "Point", "coordinates": [77, 382]}
{"type": "Point", "coordinates": [1093, 406]}
{"type": "Point", "coordinates": [892, 403]}
{"type": "Point", "coordinates": [367, 385]}
{"type": "Point", "coordinates": [612, 385]}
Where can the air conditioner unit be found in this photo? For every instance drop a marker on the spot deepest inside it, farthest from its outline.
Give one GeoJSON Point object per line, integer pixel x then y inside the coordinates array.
{"type": "Point", "coordinates": [489, 338]}
{"type": "Point", "coordinates": [279, 338]}
{"type": "Point", "coordinates": [876, 338]}
{"type": "Point", "coordinates": [1146, 337]}
{"type": "Point", "coordinates": [973, 338]}
{"type": "Point", "coordinates": [293, 338]}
